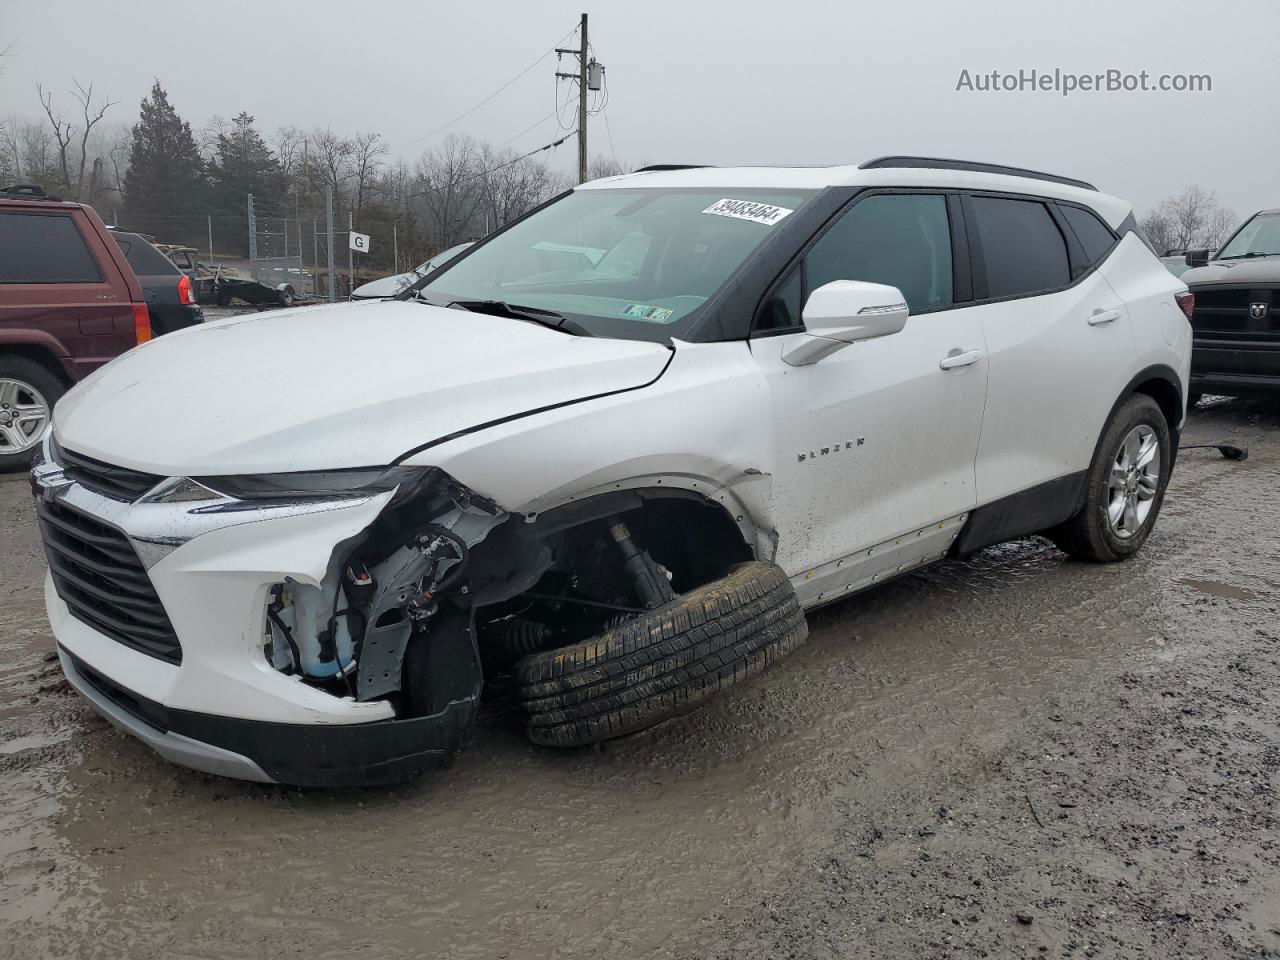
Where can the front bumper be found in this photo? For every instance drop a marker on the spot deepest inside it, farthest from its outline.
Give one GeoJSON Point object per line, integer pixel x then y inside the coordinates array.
{"type": "Point", "coordinates": [1235, 366]}
{"type": "Point", "coordinates": [303, 755]}
{"type": "Point", "coordinates": [220, 706]}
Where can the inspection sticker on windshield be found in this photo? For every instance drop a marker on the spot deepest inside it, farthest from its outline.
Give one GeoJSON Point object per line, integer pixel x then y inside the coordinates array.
{"type": "Point", "coordinates": [642, 311]}
{"type": "Point", "coordinates": [765, 213]}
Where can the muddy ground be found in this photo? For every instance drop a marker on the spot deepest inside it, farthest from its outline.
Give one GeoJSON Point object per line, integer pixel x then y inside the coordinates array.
{"type": "Point", "coordinates": [1014, 756]}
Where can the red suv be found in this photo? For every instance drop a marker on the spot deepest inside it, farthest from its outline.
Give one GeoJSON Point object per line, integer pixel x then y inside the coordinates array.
{"type": "Point", "coordinates": [69, 302]}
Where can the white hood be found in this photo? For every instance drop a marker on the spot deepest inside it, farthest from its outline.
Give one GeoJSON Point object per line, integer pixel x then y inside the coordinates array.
{"type": "Point", "coordinates": [343, 385]}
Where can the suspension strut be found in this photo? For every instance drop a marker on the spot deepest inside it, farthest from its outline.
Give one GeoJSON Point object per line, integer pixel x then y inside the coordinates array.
{"type": "Point", "coordinates": [652, 586]}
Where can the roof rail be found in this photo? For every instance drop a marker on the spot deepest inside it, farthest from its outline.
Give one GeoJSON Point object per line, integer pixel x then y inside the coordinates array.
{"type": "Point", "coordinates": [655, 167]}
{"type": "Point", "coordinates": [27, 191]}
{"type": "Point", "coordinates": [940, 163]}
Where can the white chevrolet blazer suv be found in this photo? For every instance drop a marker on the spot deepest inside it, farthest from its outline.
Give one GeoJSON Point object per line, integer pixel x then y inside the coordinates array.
{"type": "Point", "coordinates": [602, 462]}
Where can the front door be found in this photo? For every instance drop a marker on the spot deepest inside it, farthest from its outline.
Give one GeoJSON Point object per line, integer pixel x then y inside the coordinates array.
{"type": "Point", "coordinates": [876, 443]}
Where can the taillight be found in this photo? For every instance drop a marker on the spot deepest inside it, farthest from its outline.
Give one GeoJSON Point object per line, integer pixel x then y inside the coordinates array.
{"type": "Point", "coordinates": [184, 291]}
{"type": "Point", "coordinates": [1187, 301]}
{"type": "Point", "coordinates": [141, 322]}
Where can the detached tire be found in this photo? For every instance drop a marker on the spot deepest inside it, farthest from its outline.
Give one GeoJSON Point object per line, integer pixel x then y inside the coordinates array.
{"type": "Point", "coordinates": [664, 662]}
{"type": "Point", "coordinates": [1124, 487]}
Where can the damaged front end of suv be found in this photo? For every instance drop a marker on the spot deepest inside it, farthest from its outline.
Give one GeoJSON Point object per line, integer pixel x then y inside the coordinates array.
{"type": "Point", "coordinates": [375, 607]}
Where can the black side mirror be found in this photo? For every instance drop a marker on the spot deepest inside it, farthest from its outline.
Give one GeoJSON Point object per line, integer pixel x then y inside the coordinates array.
{"type": "Point", "coordinates": [1197, 258]}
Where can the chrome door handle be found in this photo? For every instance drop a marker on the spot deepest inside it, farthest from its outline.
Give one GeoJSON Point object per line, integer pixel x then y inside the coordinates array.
{"type": "Point", "coordinates": [951, 361]}
{"type": "Point", "coordinates": [1099, 317]}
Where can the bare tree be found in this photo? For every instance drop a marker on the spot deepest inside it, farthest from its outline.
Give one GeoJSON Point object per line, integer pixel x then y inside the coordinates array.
{"type": "Point", "coordinates": [93, 114]}
{"type": "Point", "coordinates": [367, 151]}
{"type": "Point", "coordinates": [332, 158]}
{"type": "Point", "coordinates": [511, 185]}
{"type": "Point", "coordinates": [64, 131]}
{"type": "Point", "coordinates": [601, 166]}
{"type": "Point", "coordinates": [1193, 218]}
{"type": "Point", "coordinates": [450, 190]}
{"type": "Point", "coordinates": [1159, 230]}
{"type": "Point", "coordinates": [1222, 223]}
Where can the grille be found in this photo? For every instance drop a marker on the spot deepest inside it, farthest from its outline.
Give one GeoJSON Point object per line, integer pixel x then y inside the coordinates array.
{"type": "Point", "coordinates": [118, 483]}
{"type": "Point", "coordinates": [98, 575]}
{"type": "Point", "coordinates": [1223, 313]}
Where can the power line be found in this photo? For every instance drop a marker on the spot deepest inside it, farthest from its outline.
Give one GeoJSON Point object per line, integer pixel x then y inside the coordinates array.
{"type": "Point", "coordinates": [467, 113]}
{"type": "Point", "coordinates": [524, 156]}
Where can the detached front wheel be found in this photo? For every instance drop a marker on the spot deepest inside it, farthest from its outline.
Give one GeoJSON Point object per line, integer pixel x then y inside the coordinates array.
{"type": "Point", "coordinates": [664, 662]}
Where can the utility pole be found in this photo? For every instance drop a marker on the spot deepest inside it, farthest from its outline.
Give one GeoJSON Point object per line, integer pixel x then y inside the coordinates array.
{"type": "Point", "coordinates": [581, 77]}
{"type": "Point", "coordinates": [582, 105]}
{"type": "Point", "coordinates": [328, 220]}
{"type": "Point", "coordinates": [211, 238]}
{"type": "Point", "coordinates": [351, 256]}
{"type": "Point", "coordinates": [395, 247]}
{"type": "Point", "coordinates": [253, 232]}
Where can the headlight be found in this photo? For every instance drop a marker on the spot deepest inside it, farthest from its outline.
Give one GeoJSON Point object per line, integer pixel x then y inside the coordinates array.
{"type": "Point", "coordinates": [319, 484]}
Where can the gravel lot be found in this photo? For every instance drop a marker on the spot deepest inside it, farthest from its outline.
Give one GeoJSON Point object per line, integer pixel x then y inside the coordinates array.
{"type": "Point", "coordinates": [1014, 756]}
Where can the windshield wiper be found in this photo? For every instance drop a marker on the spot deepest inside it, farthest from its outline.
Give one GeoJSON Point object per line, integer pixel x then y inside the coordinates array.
{"type": "Point", "coordinates": [545, 318]}
{"type": "Point", "coordinates": [1250, 255]}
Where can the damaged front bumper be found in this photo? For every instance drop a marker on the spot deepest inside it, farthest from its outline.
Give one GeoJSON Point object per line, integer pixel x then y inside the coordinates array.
{"type": "Point", "coordinates": [302, 755]}
{"type": "Point", "coordinates": [214, 699]}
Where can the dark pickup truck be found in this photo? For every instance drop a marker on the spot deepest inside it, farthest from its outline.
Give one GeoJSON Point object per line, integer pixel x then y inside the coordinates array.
{"type": "Point", "coordinates": [1236, 323]}
{"type": "Point", "coordinates": [69, 302]}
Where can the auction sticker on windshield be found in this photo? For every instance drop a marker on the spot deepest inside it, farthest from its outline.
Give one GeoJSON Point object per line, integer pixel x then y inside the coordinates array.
{"type": "Point", "coordinates": [647, 313]}
{"type": "Point", "coordinates": [765, 213]}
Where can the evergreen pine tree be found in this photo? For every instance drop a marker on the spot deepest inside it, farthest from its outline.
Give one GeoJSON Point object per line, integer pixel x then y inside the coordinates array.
{"type": "Point", "coordinates": [165, 191]}
{"type": "Point", "coordinates": [243, 164]}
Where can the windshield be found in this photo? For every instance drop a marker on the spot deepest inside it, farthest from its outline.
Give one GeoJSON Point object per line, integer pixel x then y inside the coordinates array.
{"type": "Point", "coordinates": [628, 263]}
{"type": "Point", "coordinates": [1259, 237]}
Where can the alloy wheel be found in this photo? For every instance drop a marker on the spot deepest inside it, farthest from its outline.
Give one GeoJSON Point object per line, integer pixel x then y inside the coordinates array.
{"type": "Point", "coordinates": [24, 412]}
{"type": "Point", "coordinates": [1134, 481]}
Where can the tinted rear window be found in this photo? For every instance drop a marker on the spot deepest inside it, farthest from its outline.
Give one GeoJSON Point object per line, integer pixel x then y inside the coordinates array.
{"type": "Point", "coordinates": [44, 248]}
{"type": "Point", "coordinates": [1023, 248]}
{"type": "Point", "coordinates": [1092, 233]}
{"type": "Point", "coordinates": [145, 259]}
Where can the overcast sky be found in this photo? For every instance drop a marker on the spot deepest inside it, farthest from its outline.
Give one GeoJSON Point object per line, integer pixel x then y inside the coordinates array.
{"type": "Point", "coordinates": [714, 82]}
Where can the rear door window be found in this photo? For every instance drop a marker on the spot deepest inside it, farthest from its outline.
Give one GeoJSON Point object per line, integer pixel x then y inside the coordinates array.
{"type": "Point", "coordinates": [1023, 250]}
{"type": "Point", "coordinates": [44, 248]}
{"type": "Point", "coordinates": [1092, 233]}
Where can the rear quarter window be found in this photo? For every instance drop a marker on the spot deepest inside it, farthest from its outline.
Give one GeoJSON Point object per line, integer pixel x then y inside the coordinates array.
{"type": "Point", "coordinates": [44, 248]}
{"type": "Point", "coordinates": [1092, 233]}
{"type": "Point", "coordinates": [145, 259]}
{"type": "Point", "coordinates": [1022, 248]}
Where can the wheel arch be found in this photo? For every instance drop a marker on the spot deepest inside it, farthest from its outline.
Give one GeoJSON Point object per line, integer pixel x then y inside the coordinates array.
{"type": "Point", "coordinates": [653, 492]}
{"type": "Point", "coordinates": [1161, 384]}
{"type": "Point", "coordinates": [38, 352]}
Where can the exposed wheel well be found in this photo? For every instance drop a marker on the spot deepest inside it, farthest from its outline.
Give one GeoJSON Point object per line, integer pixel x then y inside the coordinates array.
{"type": "Point", "coordinates": [564, 577]}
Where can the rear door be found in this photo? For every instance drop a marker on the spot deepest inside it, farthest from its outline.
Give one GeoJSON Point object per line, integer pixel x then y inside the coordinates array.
{"type": "Point", "coordinates": [61, 288]}
{"type": "Point", "coordinates": [1059, 341]}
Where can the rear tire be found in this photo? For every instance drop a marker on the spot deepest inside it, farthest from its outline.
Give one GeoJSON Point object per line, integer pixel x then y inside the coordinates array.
{"type": "Point", "coordinates": [1121, 504]}
{"type": "Point", "coordinates": [664, 662]}
{"type": "Point", "coordinates": [24, 386]}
